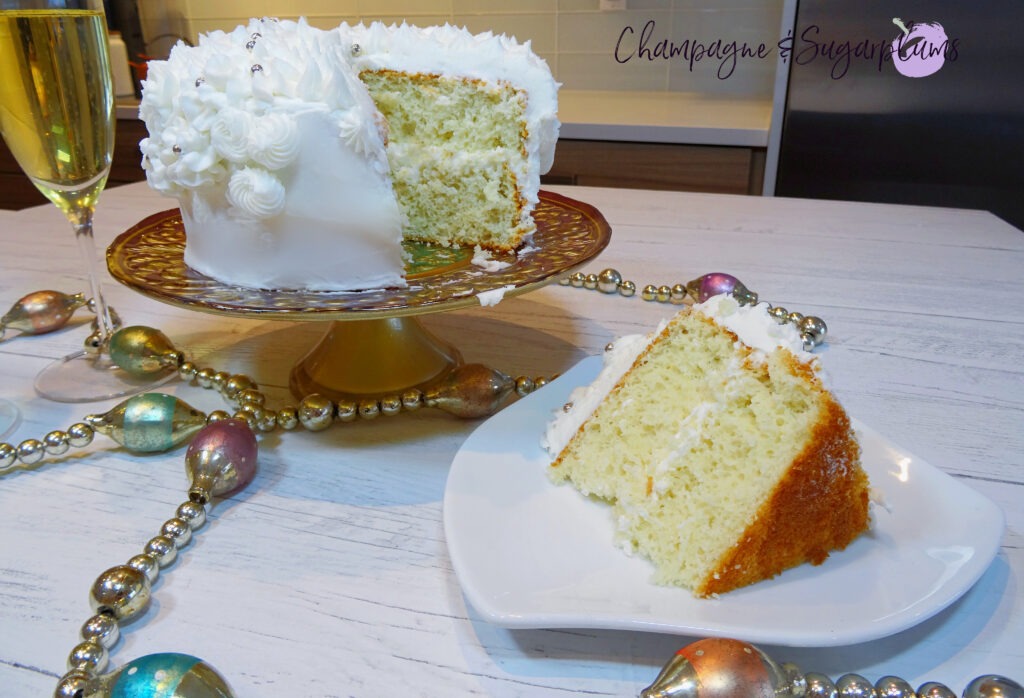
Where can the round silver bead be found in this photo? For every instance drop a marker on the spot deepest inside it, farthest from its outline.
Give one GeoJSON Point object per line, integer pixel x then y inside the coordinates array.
{"type": "Point", "coordinates": [795, 318]}
{"type": "Point", "coordinates": [854, 686]}
{"type": "Point", "coordinates": [649, 293]}
{"type": "Point", "coordinates": [192, 512]}
{"type": "Point", "coordinates": [567, 407]}
{"type": "Point", "coordinates": [820, 686]}
{"type": "Point", "coordinates": [88, 656]}
{"type": "Point", "coordinates": [316, 412]}
{"type": "Point", "coordinates": [577, 279]}
{"type": "Point", "coordinates": [248, 418]}
{"type": "Point", "coordinates": [250, 44]}
{"type": "Point", "coordinates": [287, 418]}
{"type": "Point", "coordinates": [76, 684]}
{"type": "Point", "coordinates": [664, 294]}
{"type": "Point", "coordinates": [187, 371]}
{"type": "Point", "coordinates": [608, 281]}
{"type": "Point", "coordinates": [80, 434]}
{"type": "Point", "coordinates": [220, 378]}
{"type": "Point", "coordinates": [412, 399]}
{"type": "Point", "coordinates": [162, 549]}
{"type": "Point", "coordinates": [204, 377]}
{"type": "Point", "coordinates": [250, 396]}
{"type": "Point", "coordinates": [369, 409]}
{"type": "Point", "coordinates": [8, 456]}
{"type": "Point", "coordinates": [147, 564]}
{"type": "Point", "coordinates": [256, 68]}
{"type": "Point", "coordinates": [678, 293]}
{"type": "Point", "coordinates": [236, 384]}
{"type": "Point", "coordinates": [524, 386]}
{"type": "Point", "coordinates": [121, 591]}
{"type": "Point", "coordinates": [627, 289]}
{"type": "Point", "coordinates": [101, 628]}
{"type": "Point", "coordinates": [31, 451]}
{"type": "Point", "coordinates": [539, 382]}
{"type": "Point", "coordinates": [808, 342]}
{"type": "Point", "coordinates": [217, 416]}
{"type": "Point", "coordinates": [934, 689]}
{"type": "Point", "coordinates": [893, 687]}
{"type": "Point", "coordinates": [390, 406]}
{"type": "Point", "coordinates": [590, 281]}
{"type": "Point", "coordinates": [356, 49]}
{"type": "Point", "coordinates": [779, 314]}
{"type": "Point", "coordinates": [177, 530]}
{"type": "Point", "coordinates": [348, 410]}
{"type": "Point", "coordinates": [174, 358]}
{"type": "Point", "coordinates": [200, 81]}
{"type": "Point", "coordinates": [992, 686]}
{"type": "Point", "coordinates": [813, 326]}
{"type": "Point", "coordinates": [268, 422]}
{"type": "Point", "coordinates": [56, 442]}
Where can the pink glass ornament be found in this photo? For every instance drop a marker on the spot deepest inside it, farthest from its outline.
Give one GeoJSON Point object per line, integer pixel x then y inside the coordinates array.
{"type": "Point", "coordinates": [221, 459]}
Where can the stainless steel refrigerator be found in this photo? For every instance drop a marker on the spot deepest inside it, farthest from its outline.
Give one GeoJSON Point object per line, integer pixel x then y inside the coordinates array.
{"type": "Point", "coordinates": [934, 123]}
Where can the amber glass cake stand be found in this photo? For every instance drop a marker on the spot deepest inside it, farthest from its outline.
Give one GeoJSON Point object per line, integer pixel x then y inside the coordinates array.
{"type": "Point", "coordinates": [374, 344]}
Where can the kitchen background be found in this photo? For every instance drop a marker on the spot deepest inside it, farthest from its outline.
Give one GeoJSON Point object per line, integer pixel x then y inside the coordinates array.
{"type": "Point", "coordinates": [576, 37]}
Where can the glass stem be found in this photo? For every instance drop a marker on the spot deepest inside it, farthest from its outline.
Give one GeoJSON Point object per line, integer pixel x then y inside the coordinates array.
{"type": "Point", "coordinates": [83, 234]}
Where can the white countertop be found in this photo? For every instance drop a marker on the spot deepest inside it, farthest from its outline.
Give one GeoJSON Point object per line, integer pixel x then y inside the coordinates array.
{"type": "Point", "coordinates": [330, 574]}
{"type": "Point", "coordinates": [651, 117]}
{"type": "Point", "coordinates": [664, 117]}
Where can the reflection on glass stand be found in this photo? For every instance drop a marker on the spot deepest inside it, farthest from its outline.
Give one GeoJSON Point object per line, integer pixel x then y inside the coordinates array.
{"type": "Point", "coordinates": [57, 118]}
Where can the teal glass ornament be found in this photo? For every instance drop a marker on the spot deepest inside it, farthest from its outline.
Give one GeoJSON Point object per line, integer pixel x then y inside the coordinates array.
{"type": "Point", "coordinates": [149, 423]}
{"type": "Point", "coordinates": [165, 675]}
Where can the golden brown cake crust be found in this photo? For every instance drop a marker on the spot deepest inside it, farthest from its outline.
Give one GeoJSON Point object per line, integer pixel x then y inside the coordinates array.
{"type": "Point", "coordinates": [820, 505]}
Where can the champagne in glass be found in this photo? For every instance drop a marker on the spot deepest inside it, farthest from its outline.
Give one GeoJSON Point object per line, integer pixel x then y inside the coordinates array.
{"type": "Point", "coordinates": [57, 117]}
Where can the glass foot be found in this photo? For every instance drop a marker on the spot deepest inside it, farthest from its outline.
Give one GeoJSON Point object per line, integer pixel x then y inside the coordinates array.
{"type": "Point", "coordinates": [10, 417]}
{"type": "Point", "coordinates": [83, 377]}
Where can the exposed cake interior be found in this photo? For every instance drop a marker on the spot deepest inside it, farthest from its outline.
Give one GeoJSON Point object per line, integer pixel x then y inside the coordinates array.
{"type": "Point", "coordinates": [724, 464]}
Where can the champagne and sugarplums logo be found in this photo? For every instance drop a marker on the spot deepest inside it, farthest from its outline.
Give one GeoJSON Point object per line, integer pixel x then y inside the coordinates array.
{"type": "Point", "coordinates": [919, 49]}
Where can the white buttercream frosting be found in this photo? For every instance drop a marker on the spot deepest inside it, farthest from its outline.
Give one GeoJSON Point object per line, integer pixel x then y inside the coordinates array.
{"type": "Point", "coordinates": [275, 152]}
{"type": "Point", "coordinates": [230, 102]}
{"type": "Point", "coordinates": [751, 324]}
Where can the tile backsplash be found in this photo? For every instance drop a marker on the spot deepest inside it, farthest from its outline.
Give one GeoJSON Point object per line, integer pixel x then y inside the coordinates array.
{"type": "Point", "coordinates": [587, 47]}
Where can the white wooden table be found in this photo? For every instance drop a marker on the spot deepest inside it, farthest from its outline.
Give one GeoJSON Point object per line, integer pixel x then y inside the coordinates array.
{"type": "Point", "coordinates": [329, 576]}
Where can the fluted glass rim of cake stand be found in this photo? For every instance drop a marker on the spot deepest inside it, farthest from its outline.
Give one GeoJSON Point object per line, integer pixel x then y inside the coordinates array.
{"type": "Point", "coordinates": [149, 258]}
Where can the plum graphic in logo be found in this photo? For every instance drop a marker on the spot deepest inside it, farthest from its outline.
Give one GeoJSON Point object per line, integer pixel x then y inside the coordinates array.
{"type": "Point", "coordinates": [920, 50]}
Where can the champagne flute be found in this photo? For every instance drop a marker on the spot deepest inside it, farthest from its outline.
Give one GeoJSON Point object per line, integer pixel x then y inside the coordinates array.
{"type": "Point", "coordinates": [57, 117]}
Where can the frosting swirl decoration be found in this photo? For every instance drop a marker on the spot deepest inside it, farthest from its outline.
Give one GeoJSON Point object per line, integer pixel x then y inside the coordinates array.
{"type": "Point", "coordinates": [274, 142]}
{"type": "Point", "coordinates": [256, 193]}
{"type": "Point", "coordinates": [226, 109]}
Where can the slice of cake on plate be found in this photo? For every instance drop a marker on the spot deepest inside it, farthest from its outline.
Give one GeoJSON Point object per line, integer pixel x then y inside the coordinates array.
{"type": "Point", "coordinates": [724, 457]}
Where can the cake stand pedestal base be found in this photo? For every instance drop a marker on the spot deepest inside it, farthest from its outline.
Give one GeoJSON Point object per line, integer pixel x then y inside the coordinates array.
{"type": "Point", "coordinates": [371, 359]}
{"type": "Point", "coordinates": [390, 363]}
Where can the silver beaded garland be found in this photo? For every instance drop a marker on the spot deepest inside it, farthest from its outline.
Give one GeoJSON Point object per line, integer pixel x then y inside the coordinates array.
{"type": "Point", "coordinates": [854, 686]}
{"type": "Point", "coordinates": [101, 628]}
{"type": "Point", "coordinates": [812, 329]}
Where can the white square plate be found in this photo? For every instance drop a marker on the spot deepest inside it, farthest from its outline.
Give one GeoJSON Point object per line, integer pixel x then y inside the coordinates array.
{"type": "Point", "coordinates": [531, 554]}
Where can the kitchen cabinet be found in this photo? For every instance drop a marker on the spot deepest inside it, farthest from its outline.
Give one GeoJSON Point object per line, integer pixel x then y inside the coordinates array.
{"type": "Point", "coordinates": [665, 166]}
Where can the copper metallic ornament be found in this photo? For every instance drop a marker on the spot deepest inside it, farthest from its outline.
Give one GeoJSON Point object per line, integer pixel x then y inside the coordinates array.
{"type": "Point", "coordinates": [724, 668]}
{"type": "Point", "coordinates": [41, 312]}
{"type": "Point", "coordinates": [471, 390]}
